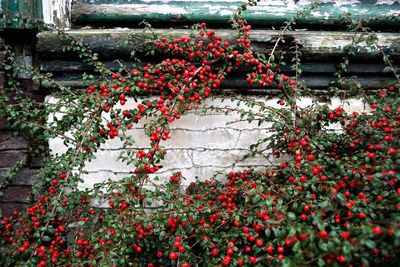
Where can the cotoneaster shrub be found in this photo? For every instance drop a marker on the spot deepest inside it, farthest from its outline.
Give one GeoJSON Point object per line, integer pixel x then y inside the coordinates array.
{"type": "Point", "coordinates": [333, 200]}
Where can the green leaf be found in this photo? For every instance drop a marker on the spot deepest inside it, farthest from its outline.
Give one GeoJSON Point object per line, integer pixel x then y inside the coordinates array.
{"type": "Point", "coordinates": [369, 243]}
{"type": "Point", "coordinates": [365, 262]}
{"type": "Point", "coordinates": [341, 197]}
{"type": "Point", "coordinates": [46, 238]}
{"type": "Point", "coordinates": [291, 215]}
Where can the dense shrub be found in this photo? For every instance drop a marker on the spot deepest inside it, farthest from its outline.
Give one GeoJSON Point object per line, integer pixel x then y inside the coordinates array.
{"type": "Point", "coordinates": [333, 200]}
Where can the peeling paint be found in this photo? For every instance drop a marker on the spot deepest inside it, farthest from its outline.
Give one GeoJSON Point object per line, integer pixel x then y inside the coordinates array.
{"type": "Point", "coordinates": [387, 2]}
{"type": "Point", "coordinates": [276, 10]}
{"type": "Point", "coordinates": [273, 12]}
{"type": "Point", "coordinates": [138, 9]}
{"type": "Point", "coordinates": [275, 2]}
{"type": "Point", "coordinates": [213, 1]}
{"type": "Point", "coordinates": [346, 2]}
{"type": "Point", "coordinates": [392, 13]}
{"type": "Point", "coordinates": [318, 14]}
{"type": "Point", "coordinates": [57, 12]}
{"type": "Point", "coordinates": [270, 2]}
{"type": "Point", "coordinates": [221, 10]}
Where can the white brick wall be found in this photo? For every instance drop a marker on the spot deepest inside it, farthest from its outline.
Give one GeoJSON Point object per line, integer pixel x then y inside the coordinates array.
{"type": "Point", "coordinates": [201, 145]}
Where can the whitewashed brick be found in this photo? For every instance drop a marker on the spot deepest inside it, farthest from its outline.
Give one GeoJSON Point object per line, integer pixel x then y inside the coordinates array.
{"type": "Point", "coordinates": [225, 158]}
{"type": "Point", "coordinates": [177, 158]}
{"type": "Point", "coordinates": [56, 146]}
{"type": "Point", "coordinates": [201, 144]}
{"type": "Point", "coordinates": [218, 138]}
{"type": "Point", "coordinates": [248, 138]}
{"type": "Point", "coordinates": [350, 105]}
{"type": "Point", "coordinates": [216, 158]}
{"type": "Point", "coordinates": [107, 160]}
{"type": "Point", "coordinates": [201, 122]}
{"type": "Point", "coordinates": [93, 178]}
{"type": "Point", "coordinates": [200, 172]}
{"type": "Point", "coordinates": [140, 138]}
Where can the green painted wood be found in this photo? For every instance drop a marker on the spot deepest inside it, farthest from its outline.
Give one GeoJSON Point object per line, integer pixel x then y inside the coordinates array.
{"type": "Point", "coordinates": [315, 45]}
{"type": "Point", "coordinates": [266, 13]}
{"type": "Point", "coordinates": [14, 12]}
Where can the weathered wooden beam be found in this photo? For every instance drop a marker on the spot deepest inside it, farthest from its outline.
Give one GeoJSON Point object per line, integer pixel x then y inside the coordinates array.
{"type": "Point", "coordinates": [64, 66]}
{"type": "Point", "coordinates": [118, 43]}
{"type": "Point", "coordinates": [239, 83]}
{"type": "Point", "coordinates": [266, 13]}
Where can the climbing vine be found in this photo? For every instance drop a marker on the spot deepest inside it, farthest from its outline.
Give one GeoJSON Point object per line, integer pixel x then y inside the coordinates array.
{"type": "Point", "coordinates": [333, 199]}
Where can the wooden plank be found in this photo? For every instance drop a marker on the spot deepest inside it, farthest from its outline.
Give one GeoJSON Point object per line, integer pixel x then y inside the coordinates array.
{"type": "Point", "coordinates": [25, 176]}
{"type": "Point", "coordinates": [19, 194]}
{"type": "Point", "coordinates": [9, 158]}
{"type": "Point", "coordinates": [266, 13]}
{"type": "Point", "coordinates": [315, 45]}
{"type": "Point", "coordinates": [239, 83]}
{"type": "Point", "coordinates": [8, 141]}
{"type": "Point", "coordinates": [64, 66]}
{"type": "Point", "coordinates": [112, 44]}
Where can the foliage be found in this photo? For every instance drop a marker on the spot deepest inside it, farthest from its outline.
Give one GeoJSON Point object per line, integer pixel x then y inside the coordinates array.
{"type": "Point", "coordinates": [333, 200]}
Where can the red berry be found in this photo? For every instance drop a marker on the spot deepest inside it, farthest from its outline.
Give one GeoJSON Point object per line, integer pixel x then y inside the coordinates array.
{"type": "Point", "coordinates": [173, 255]}
{"type": "Point", "coordinates": [269, 249]}
{"type": "Point", "coordinates": [303, 236]}
{"type": "Point", "coordinates": [323, 234]}
{"type": "Point", "coordinates": [341, 259]}
{"type": "Point", "coordinates": [226, 260]}
{"type": "Point", "coordinates": [253, 259]}
{"type": "Point", "coordinates": [138, 249]}
{"type": "Point", "coordinates": [377, 230]}
{"type": "Point", "coordinates": [345, 235]}
{"type": "Point", "coordinates": [259, 242]}
{"type": "Point", "coordinates": [362, 215]}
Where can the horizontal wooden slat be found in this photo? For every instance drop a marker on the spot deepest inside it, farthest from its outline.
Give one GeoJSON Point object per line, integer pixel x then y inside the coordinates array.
{"type": "Point", "coordinates": [25, 176]}
{"type": "Point", "coordinates": [316, 75]}
{"type": "Point", "coordinates": [321, 51]}
{"type": "Point", "coordinates": [10, 157]}
{"type": "Point", "coordinates": [266, 13]}
{"type": "Point", "coordinates": [19, 194]}
{"type": "Point", "coordinates": [113, 43]}
{"type": "Point", "coordinates": [238, 82]}
{"type": "Point", "coordinates": [64, 66]}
